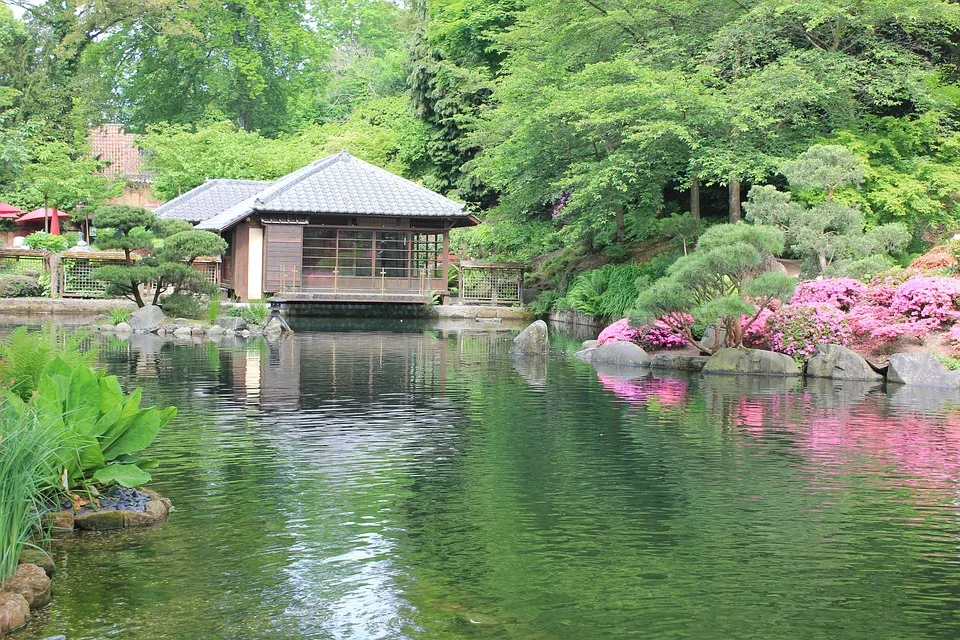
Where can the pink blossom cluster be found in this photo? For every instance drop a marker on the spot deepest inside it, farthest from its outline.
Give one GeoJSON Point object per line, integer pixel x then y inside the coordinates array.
{"type": "Point", "coordinates": [797, 329]}
{"type": "Point", "coordinates": [656, 336]}
{"type": "Point", "coordinates": [928, 297]}
{"type": "Point", "coordinates": [842, 293]}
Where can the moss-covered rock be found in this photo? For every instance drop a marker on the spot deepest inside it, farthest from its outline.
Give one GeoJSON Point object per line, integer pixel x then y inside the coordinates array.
{"type": "Point", "coordinates": [14, 612]}
{"type": "Point", "coordinates": [40, 558]}
{"type": "Point", "coordinates": [157, 509]}
{"type": "Point", "coordinates": [31, 582]}
{"type": "Point", "coordinates": [751, 362]}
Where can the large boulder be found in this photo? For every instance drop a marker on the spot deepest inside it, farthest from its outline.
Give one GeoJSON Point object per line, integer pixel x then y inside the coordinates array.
{"type": "Point", "coordinates": [624, 354]}
{"type": "Point", "coordinates": [590, 344]}
{"type": "Point", "coordinates": [921, 369]}
{"type": "Point", "coordinates": [230, 322]}
{"type": "Point", "coordinates": [156, 511]}
{"type": "Point", "coordinates": [839, 363]}
{"type": "Point", "coordinates": [14, 612]}
{"type": "Point", "coordinates": [40, 558]}
{"type": "Point", "coordinates": [532, 341]}
{"type": "Point", "coordinates": [678, 362]}
{"type": "Point", "coordinates": [147, 319]}
{"type": "Point", "coordinates": [751, 362]}
{"type": "Point", "coordinates": [709, 339]}
{"type": "Point", "coordinates": [586, 354]}
{"type": "Point", "coordinates": [31, 582]}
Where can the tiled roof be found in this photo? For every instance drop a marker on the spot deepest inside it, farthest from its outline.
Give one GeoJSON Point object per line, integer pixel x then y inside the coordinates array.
{"type": "Point", "coordinates": [111, 144]}
{"type": "Point", "coordinates": [341, 184]}
{"type": "Point", "coordinates": [209, 199]}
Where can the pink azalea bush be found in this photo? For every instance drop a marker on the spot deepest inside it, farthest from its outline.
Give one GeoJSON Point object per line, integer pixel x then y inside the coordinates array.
{"type": "Point", "coordinates": [928, 297]}
{"type": "Point", "coordinates": [656, 336]}
{"type": "Point", "coordinates": [877, 327]}
{"type": "Point", "coordinates": [797, 329]}
{"type": "Point", "coordinates": [842, 293]}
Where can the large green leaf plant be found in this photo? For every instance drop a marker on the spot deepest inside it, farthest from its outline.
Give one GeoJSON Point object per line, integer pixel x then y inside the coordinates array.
{"type": "Point", "coordinates": [102, 432]}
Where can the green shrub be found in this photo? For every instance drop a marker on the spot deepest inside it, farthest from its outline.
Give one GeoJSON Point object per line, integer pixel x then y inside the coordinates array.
{"type": "Point", "coordinates": [119, 315]}
{"type": "Point", "coordinates": [544, 303]}
{"type": "Point", "coordinates": [255, 313]}
{"type": "Point", "coordinates": [20, 286]}
{"type": "Point", "coordinates": [43, 241]}
{"type": "Point", "coordinates": [182, 305]}
{"type": "Point", "coordinates": [213, 308]}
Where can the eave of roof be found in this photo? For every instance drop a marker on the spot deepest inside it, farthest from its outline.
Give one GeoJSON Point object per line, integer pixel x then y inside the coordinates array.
{"type": "Point", "coordinates": [305, 191]}
{"type": "Point", "coordinates": [180, 207]}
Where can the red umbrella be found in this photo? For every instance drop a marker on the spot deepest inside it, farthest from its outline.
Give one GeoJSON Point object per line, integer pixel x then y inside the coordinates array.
{"type": "Point", "coordinates": [41, 214]}
{"type": "Point", "coordinates": [9, 211]}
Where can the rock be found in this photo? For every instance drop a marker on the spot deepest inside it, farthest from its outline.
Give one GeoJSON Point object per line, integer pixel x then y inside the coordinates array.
{"type": "Point", "coordinates": [532, 341]}
{"type": "Point", "coordinates": [839, 363]}
{"type": "Point", "coordinates": [245, 333]}
{"type": "Point", "coordinates": [215, 331]}
{"type": "Point", "coordinates": [229, 333]}
{"type": "Point", "coordinates": [14, 612]}
{"type": "Point", "coordinates": [230, 322]}
{"type": "Point", "coordinates": [590, 344]}
{"type": "Point", "coordinates": [147, 319]}
{"type": "Point", "coordinates": [625, 354]}
{"type": "Point", "coordinates": [255, 332]}
{"type": "Point", "coordinates": [59, 520]}
{"type": "Point", "coordinates": [60, 637]}
{"type": "Point", "coordinates": [196, 330]}
{"type": "Point", "coordinates": [274, 325]}
{"type": "Point", "coordinates": [123, 327]}
{"type": "Point", "coordinates": [585, 354]}
{"type": "Point", "coordinates": [157, 509]}
{"type": "Point", "coordinates": [709, 338]}
{"type": "Point", "coordinates": [31, 582]}
{"type": "Point", "coordinates": [751, 362]}
{"type": "Point", "coordinates": [40, 558]}
{"type": "Point", "coordinates": [678, 362]}
{"type": "Point", "coordinates": [182, 332]}
{"type": "Point", "coordinates": [921, 369]}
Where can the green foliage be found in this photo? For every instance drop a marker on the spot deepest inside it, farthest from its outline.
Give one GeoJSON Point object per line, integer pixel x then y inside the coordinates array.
{"type": "Point", "coordinates": [25, 354]}
{"type": "Point", "coordinates": [721, 283]}
{"type": "Point", "coordinates": [183, 305]}
{"type": "Point", "coordinates": [254, 313]}
{"type": "Point", "coordinates": [19, 286]}
{"type": "Point", "coordinates": [43, 241]}
{"type": "Point", "coordinates": [118, 315]}
{"type": "Point", "coordinates": [828, 231]}
{"type": "Point", "coordinates": [607, 292]}
{"type": "Point", "coordinates": [28, 471]}
{"type": "Point", "coordinates": [100, 431]}
{"type": "Point", "coordinates": [213, 308]}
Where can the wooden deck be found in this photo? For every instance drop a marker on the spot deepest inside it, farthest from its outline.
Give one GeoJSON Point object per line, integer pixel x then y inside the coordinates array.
{"type": "Point", "coordinates": [329, 297]}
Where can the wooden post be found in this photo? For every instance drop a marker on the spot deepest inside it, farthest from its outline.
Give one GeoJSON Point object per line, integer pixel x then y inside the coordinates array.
{"type": "Point", "coordinates": [383, 275]}
{"type": "Point", "coordinates": [460, 283]}
{"type": "Point", "coordinates": [445, 267]}
{"type": "Point", "coordinates": [336, 272]}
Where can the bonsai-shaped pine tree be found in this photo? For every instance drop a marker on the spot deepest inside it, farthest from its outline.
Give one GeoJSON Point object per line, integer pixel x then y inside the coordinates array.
{"type": "Point", "coordinates": [830, 231]}
{"type": "Point", "coordinates": [173, 262]}
{"type": "Point", "coordinates": [720, 284]}
{"type": "Point", "coordinates": [167, 248]}
{"type": "Point", "coordinates": [129, 229]}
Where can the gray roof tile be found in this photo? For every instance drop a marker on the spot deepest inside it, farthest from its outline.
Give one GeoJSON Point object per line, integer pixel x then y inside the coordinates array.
{"type": "Point", "coordinates": [209, 199]}
{"type": "Point", "coordinates": [341, 184]}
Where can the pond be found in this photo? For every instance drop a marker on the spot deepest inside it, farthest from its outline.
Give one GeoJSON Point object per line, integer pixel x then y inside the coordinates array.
{"type": "Point", "coordinates": [398, 481]}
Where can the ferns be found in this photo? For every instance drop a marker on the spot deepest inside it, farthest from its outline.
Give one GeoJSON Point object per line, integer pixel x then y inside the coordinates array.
{"type": "Point", "coordinates": [609, 291]}
{"type": "Point", "coordinates": [24, 355]}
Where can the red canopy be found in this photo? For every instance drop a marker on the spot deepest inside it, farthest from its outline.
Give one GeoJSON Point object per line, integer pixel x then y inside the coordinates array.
{"type": "Point", "coordinates": [9, 211]}
{"type": "Point", "coordinates": [38, 215]}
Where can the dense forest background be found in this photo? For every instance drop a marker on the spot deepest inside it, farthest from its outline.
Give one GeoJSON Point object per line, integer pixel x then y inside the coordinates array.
{"type": "Point", "coordinates": [582, 131]}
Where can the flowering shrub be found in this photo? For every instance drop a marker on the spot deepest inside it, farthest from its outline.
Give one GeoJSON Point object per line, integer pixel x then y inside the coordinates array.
{"type": "Point", "coordinates": [877, 327]}
{"type": "Point", "coordinates": [655, 336]}
{"type": "Point", "coordinates": [619, 331]}
{"type": "Point", "coordinates": [842, 293]}
{"type": "Point", "coordinates": [939, 258]}
{"type": "Point", "coordinates": [797, 329]}
{"type": "Point", "coordinates": [928, 297]}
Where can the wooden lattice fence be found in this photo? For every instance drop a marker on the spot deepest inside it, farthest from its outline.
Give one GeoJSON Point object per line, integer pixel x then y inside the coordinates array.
{"type": "Point", "coordinates": [491, 283]}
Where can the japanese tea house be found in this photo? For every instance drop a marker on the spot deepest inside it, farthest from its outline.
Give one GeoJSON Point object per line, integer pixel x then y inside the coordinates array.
{"type": "Point", "coordinates": [338, 230]}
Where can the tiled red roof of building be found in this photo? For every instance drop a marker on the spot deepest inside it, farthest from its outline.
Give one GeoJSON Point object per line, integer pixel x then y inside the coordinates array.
{"type": "Point", "coordinates": [111, 144]}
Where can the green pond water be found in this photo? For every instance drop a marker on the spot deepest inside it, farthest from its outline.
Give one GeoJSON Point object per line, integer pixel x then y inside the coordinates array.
{"type": "Point", "coordinates": [396, 481]}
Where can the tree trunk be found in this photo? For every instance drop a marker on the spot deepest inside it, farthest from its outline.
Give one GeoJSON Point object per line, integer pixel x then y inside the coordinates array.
{"type": "Point", "coordinates": [695, 197]}
{"type": "Point", "coordinates": [621, 227]}
{"type": "Point", "coordinates": [735, 208]}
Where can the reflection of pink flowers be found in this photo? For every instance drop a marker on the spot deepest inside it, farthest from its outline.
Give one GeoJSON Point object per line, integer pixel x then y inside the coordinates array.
{"type": "Point", "coordinates": [666, 391]}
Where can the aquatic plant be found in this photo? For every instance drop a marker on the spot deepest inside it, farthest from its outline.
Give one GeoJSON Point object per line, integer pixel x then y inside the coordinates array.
{"type": "Point", "coordinates": [254, 313]}
{"type": "Point", "coordinates": [99, 432]}
{"type": "Point", "coordinates": [118, 315]}
{"type": "Point", "coordinates": [27, 473]}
